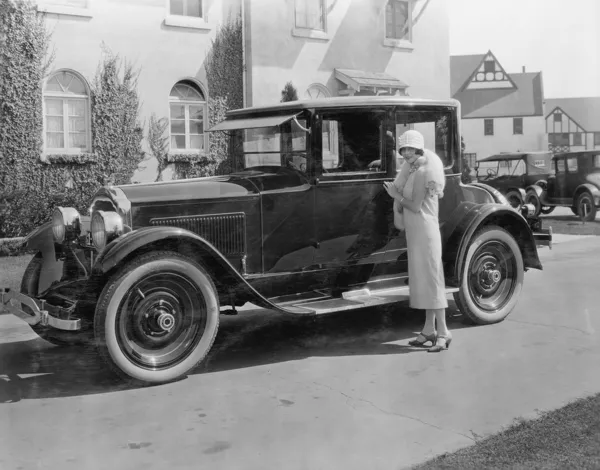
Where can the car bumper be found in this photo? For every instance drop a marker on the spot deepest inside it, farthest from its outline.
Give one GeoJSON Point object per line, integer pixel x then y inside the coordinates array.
{"type": "Point", "coordinates": [41, 313]}
{"type": "Point", "coordinates": [543, 237]}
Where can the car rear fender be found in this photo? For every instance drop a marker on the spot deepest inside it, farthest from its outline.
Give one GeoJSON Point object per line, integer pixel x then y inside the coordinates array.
{"type": "Point", "coordinates": [227, 278]}
{"type": "Point", "coordinates": [593, 190]}
{"type": "Point", "coordinates": [457, 242]}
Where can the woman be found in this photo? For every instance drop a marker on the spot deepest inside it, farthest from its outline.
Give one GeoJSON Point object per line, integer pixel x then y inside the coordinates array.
{"type": "Point", "coordinates": [416, 191]}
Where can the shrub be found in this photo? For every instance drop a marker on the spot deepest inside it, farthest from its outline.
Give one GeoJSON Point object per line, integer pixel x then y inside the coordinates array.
{"type": "Point", "coordinates": [289, 93]}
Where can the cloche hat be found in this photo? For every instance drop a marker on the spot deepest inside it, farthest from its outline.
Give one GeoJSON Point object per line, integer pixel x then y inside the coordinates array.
{"type": "Point", "coordinates": [412, 139]}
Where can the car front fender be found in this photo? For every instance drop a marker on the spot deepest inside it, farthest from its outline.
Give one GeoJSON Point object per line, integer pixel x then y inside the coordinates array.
{"type": "Point", "coordinates": [473, 219]}
{"type": "Point", "coordinates": [126, 247]}
{"type": "Point", "coordinates": [496, 195]}
{"type": "Point", "coordinates": [593, 190]}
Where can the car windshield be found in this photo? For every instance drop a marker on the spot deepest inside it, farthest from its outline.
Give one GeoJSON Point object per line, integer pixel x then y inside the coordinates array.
{"type": "Point", "coordinates": [276, 146]}
{"type": "Point", "coordinates": [502, 168]}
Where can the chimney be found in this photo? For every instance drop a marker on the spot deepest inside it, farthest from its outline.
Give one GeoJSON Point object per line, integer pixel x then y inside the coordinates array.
{"type": "Point", "coordinates": [523, 69]}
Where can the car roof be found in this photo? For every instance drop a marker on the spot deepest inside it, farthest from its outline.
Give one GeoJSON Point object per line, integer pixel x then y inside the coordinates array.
{"type": "Point", "coordinates": [501, 157]}
{"type": "Point", "coordinates": [336, 102]}
{"type": "Point", "coordinates": [576, 154]}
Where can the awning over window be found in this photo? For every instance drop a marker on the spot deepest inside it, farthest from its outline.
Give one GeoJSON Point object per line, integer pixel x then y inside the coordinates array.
{"type": "Point", "coordinates": [359, 81]}
{"type": "Point", "coordinates": [250, 123]}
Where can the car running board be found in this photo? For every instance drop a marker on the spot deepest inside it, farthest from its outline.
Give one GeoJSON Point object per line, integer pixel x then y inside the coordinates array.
{"type": "Point", "coordinates": [350, 300]}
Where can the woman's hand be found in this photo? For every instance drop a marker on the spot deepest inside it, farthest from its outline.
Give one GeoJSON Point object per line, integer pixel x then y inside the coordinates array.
{"type": "Point", "coordinates": [391, 189]}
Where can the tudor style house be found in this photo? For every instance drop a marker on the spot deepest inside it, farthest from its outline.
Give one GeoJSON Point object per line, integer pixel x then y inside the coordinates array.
{"type": "Point", "coordinates": [501, 111]}
{"type": "Point", "coordinates": [573, 124]}
{"type": "Point", "coordinates": [325, 47]}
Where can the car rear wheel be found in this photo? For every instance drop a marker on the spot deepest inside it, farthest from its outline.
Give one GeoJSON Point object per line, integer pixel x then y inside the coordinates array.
{"type": "Point", "coordinates": [547, 209]}
{"type": "Point", "coordinates": [157, 318]}
{"type": "Point", "coordinates": [586, 209]}
{"type": "Point", "coordinates": [29, 286]}
{"type": "Point", "coordinates": [514, 198]}
{"type": "Point", "coordinates": [492, 277]}
{"type": "Point", "coordinates": [532, 198]}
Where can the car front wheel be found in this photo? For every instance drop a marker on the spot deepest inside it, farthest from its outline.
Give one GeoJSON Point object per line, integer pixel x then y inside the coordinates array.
{"type": "Point", "coordinates": [156, 318]}
{"type": "Point", "coordinates": [514, 198]}
{"type": "Point", "coordinates": [492, 277]}
{"type": "Point", "coordinates": [532, 198]}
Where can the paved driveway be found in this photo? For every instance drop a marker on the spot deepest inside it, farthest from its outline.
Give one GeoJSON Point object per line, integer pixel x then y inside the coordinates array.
{"type": "Point", "coordinates": [334, 392]}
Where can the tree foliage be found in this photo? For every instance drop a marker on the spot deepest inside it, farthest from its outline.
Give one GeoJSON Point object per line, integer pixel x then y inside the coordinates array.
{"type": "Point", "coordinates": [289, 93]}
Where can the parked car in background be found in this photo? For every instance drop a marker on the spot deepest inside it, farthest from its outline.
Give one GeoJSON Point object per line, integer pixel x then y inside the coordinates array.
{"type": "Point", "coordinates": [574, 182]}
{"type": "Point", "coordinates": [512, 173]}
{"type": "Point", "coordinates": [302, 226]}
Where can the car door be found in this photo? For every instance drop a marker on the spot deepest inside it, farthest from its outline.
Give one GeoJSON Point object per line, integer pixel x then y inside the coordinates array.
{"type": "Point", "coordinates": [560, 181]}
{"type": "Point", "coordinates": [352, 210]}
{"type": "Point", "coordinates": [572, 179]}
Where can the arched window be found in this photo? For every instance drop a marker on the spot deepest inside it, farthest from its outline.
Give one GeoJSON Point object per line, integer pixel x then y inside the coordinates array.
{"type": "Point", "coordinates": [188, 112]}
{"type": "Point", "coordinates": [67, 126]}
{"type": "Point", "coordinates": [316, 91]}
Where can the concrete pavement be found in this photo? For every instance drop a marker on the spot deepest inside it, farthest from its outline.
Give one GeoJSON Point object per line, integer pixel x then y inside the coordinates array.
{"type": "Point", "coordinates": [282, 392]}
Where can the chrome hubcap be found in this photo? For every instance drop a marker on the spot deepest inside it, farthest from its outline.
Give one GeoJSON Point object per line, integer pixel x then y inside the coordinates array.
{"type": "Point", "coordinates": [166, 321]}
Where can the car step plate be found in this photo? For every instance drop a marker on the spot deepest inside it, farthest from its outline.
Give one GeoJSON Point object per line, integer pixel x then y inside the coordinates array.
{"type": "Point", "coordinates": [352, 300]}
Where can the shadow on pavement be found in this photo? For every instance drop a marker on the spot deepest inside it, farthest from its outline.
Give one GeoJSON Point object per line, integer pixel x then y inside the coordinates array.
{"type": "Point", "coordinates": [253, 338]}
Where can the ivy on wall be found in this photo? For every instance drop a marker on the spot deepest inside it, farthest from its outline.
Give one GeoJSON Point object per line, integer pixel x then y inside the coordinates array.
{"type": "Point", "coordinates": [30, 188]}
{"type": "Point", "coordinates": [224, 75]}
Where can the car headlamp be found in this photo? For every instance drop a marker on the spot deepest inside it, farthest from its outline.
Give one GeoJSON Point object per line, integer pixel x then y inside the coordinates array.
{"type": "Point", "coordinates": [105, 227]}
{"type": "Point", "coordinates": [527, 210]}
{"type": "Point", "coordinates": [66, 224]}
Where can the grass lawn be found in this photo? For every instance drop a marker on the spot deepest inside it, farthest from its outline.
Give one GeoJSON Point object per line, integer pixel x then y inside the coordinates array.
{"type": "Point", "coordinates": [567, 438]}
{"type": "Point", "coordinates": [570, 225]}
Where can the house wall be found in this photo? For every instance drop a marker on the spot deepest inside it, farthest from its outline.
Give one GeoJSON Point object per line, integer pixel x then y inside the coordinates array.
{"type": "Point", "coordinates": [503, 140]}
{"type": "Point", "coordinates": [136, 30]}
{"type": "Point", "coordinates": [354, 40]}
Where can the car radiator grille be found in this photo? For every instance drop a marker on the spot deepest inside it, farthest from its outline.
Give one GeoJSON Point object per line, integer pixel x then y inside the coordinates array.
{"type": "Point", "coordinates": [227, 232]}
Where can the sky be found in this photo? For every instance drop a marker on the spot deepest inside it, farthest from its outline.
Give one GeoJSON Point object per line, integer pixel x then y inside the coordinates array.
{"type": "Point", "coordinates": [557, 37]}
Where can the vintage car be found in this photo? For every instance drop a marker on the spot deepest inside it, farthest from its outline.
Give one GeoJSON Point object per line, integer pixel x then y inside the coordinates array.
{"type": "Point", "coordinates": [302, 226]}
{"type": "Point", "coordinates": [513, 173]}
{"type": "Point", "coordinates": [574, 182]}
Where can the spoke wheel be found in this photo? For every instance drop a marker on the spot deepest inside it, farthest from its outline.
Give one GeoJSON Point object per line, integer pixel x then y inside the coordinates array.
{"type": "Point", "coordinates": [514, 198]}
{"type": "Point", "coordinates": [157, 318]}
{"type": "Point", "coordinates": [161, 320]}
{"type": "Point", "coordinates": [533, 199]}
{"type": "Point", "coordinates": [492, 277]}
{"type": "Point", "coordinates": [585, 207]}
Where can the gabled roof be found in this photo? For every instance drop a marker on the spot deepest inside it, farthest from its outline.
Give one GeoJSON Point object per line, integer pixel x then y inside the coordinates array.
{"type": "Point", "coordinates": [461, 68]}
{"type": "Point", "coordinates": [584, 111]}
{"type": "Point", "coordinates": [524, 100]}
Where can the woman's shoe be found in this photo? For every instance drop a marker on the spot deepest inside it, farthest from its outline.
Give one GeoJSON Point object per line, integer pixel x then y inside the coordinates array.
{"type": "Point", "coordinates": [418, 342]}
{"type": "Point", "coordinates": [442, 342]}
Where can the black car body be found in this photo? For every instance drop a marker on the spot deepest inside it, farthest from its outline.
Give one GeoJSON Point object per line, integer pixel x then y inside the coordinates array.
{"type": "Point", "coordinates": [302, 225]}
{"type": "Point", "coordinates": [574, 182]}
{"type": "Point", "coordinates": [512, 173]}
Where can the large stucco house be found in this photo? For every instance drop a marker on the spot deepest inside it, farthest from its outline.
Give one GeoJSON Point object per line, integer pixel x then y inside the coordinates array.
{"type": "Point", "coordinates": [501, 111]}
{"type": "Point", "coordinates": [324, 47]}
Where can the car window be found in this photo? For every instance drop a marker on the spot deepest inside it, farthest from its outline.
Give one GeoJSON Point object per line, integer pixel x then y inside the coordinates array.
{"type": "Point", "coordinates": [596, 160]}
{"type": "Point", "coordinates": [572, 164]}
{"type": "Point", "coordinates": [283, 145]}
{"type": "Point", "coordinates": [518, 167]}
{"type": "Point", "coordinates": [437, 127]}
{"type": "Point", "coordinates": [560, 165]}
{"type": "Point", "coordinates": [353, 141]}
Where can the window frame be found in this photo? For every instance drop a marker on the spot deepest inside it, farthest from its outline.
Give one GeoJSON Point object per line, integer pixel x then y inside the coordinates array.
{"type": "Point", "coordinates": [186, 104]}
{"type": "Point", "coordinates": [184, 21]}
{"type": "Point", "coordinates": [493, 66]}
{"type": "Point", "coordinates": [558, 117]}
{"type": "Point", "coordinates": [65, 98]}
{"type": "Point", "coordinates": [305, 31]}
{"type": "Point", "coordinates": [486, 132]}
{"type": "Point", "coordinates": [518, 129]}
{"type": "Point", "coordinates": [569, 167]}
{"type": "Point", "coordinates": [577, 139]}
{"type": "Point", "coordinates": [45, 6]}
{"type": "Point", "coordinates": [405, 43]}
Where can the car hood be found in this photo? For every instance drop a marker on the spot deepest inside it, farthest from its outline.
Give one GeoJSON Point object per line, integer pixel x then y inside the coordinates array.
{"type": "Point", "coordinates": [212, 187]}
